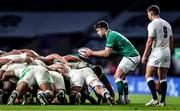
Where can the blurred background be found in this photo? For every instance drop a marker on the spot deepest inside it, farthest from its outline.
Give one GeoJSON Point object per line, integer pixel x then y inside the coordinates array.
{"type": "Point", "coordinates": [63, 26]}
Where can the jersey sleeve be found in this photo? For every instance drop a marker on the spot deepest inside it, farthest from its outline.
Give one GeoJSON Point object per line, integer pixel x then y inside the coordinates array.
{"type": "Point", "coordinates": [151, 30]}
{"type": "Point", "coordinates": [110, 42]}
{"type": "Point", "coordinates": [170, 33]}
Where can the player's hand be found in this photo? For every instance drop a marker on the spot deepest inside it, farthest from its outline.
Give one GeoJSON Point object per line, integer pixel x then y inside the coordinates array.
{"type": "Point", "coordinates": [88, 52]}
{"type": "Point", "coordinates": [144, 60]}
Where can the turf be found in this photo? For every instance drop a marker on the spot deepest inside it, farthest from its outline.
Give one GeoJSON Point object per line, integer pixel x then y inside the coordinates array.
{"type": "Point", "coordinates": [138, 101]}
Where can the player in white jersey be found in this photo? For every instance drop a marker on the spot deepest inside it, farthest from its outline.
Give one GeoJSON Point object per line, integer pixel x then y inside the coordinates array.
{"type": "Point", "coordinates": [79, 77]}
{"type": "Point", "coordinates": [77, 63]}
{"type": "Point", "coordinates": [33, 55]}
{"type": "Point", "coordinates": [157, 53]}
{"type": "Point", "coordinates": [59, 85]}
{"type": "Point", "coordinates": [29, 76]}
{"type": "Point", "coordinates": [59, 90]}
{"type": "Point", "coordinates": [13, 65]}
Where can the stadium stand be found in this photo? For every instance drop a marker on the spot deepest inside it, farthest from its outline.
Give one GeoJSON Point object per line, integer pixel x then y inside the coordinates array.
{"type": "Point", "coordinates": [33, 24]}
{"type": "Point", "coordinates": [128, 21]}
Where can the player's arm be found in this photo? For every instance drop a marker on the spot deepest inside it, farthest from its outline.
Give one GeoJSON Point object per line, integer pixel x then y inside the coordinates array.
{"type": "Point", "coordinates": [45, 60]}
{"type": "Point", "coordinates": [171, 42]}
{"type": "Point", "coordinates": [13, 52]}
{"type": "Point", "coordinates": [103, 53]}
{"type": "Point", "coordinates": [4, 61]}
{"type": "Point", "coordinates": [71, 58]}
{"type": "Point", "coordinates": [59, 67]}
{"type": "Point", "coordinates": [147, 49]}
{"type": "Point", "coordinates": [58, 57]}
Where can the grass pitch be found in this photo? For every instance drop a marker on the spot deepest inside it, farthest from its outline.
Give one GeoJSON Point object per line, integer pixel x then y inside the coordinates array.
{"type": "Point", "coordinates": [138, 101]}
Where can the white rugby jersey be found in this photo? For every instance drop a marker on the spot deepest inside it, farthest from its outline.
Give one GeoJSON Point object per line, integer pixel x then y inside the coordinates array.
{"type": "Point", "coordinates": [16, 56]}
{"type": "Point", "coordinates": [161, 30]}
{"type": "Point", "coordinates": [16, 67]}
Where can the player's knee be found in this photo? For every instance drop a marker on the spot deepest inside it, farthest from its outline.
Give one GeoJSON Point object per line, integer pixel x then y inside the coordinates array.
{"type": "Point", "coordinates": [148, 76]}
{"type": "Point", "coordinates": [97, 88]}
{"type": "Point", "coordinates": [116, 76]}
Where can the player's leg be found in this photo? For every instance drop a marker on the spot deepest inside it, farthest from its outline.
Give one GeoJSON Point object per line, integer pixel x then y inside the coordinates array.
{"type": "Point", "coordinates": [109, 87]}
{"type": "Point", "coordinates": [27, 98]}
{"type": "Point", "coordinates": [45, 83]}
{"type": "Point", "coordinates": [1, 86]}
{"type": "Point", "coordinates": [92, 80]}
{"type": "Point", "coordinates": [98, 70]}
{"type": "Point", "coordinates": [76, 84]}
{"type": "Point", "coordinates": [126, 92]}
{"type": "Point", "coordinates": [8, 87]}
{"type": "Point", "coordinates": [162, 72]}
{"type": "Point", "coordinates": [101, 90]}
{"type": "Point", "coordinates": [150, 70]}
{"type": "Point", "coordinates": [75, 95]}
{"type": "Point", "coordinates": [45, 95]}
{"type": "Point", "coordinates": [119, 83]}
{"type": "Point", "coordinates": [59, 86]}
{"type": "Point", "coordinates": [126, 64]}
{"type": "Point", "coordinates": [85, 95]}
{"type": "Point", "coordinates": [21, 89]}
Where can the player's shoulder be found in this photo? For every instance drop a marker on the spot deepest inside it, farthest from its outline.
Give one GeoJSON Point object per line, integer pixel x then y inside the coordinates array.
{"type": "Point", "coordinates": [166, 22]}
{"type": "Point", "coordinates": [153, 24]}
{"type": "Point", "coordinates": [116, 34]}
{"type": "Point", "coordinates": [111, 33]}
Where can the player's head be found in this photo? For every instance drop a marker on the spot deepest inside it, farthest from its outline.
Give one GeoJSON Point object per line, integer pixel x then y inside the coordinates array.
{"type": "Point", "coordinates": [152, 11]}
{"type": "Point", "coordinates": [101, 27]}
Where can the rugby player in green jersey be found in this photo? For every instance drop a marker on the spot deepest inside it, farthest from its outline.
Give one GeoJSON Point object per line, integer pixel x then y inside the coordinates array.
{"type": "Point", "coordinates": [124, 48]}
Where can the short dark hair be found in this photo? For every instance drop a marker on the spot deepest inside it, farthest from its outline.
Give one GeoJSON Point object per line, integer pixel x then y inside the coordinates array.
{"type": "Point", "coordinates": [155, 9]}
{"type": "Point", "coordinates": [101, 24]}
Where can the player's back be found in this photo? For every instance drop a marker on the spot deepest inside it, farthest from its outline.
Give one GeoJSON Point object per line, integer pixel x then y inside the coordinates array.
{"type": "Point", "coordinates": [161, 30]}
{"type": "Point", "coordinates": [14, 56]}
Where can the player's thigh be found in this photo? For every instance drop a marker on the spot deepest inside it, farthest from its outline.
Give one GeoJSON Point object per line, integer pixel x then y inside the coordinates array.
{"type": "Point", "coordinates": [91, 78]}
{"type": "Point", "coordinates": [27, 76]}
{"type": "Point", "coordinates": [162, 72]}
{"type": "Point", "coordinates": [159, 59]}
{"type": "Point", "coordinates": [89, 75]}
{"type": "Point", "coordinates": [119, 73]}
{"type": "Point", "coordinates": [42, 75]}
{"type": "Point", "coordinates": [76, 78]}
{"type": "Point", "coordinates": [58, 80]}
{"type": "Point", "coordinates": [150, 70]}
{"type": "Point", "coordinates": [127, 64]}
{"type": "Point", "coordinates": [165, 62]}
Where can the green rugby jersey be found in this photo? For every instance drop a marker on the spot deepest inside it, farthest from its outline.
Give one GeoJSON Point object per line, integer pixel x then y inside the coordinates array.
{"type": "Point", "coordinates": [120, 44]}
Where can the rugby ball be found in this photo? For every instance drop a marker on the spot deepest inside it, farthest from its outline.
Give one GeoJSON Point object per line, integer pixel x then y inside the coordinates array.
{"type": "Point", "coordinates": [81, 52]}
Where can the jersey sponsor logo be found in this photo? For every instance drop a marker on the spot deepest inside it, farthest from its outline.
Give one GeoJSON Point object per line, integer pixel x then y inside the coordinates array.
{"type": "Point", "coordinates": [156, 62]}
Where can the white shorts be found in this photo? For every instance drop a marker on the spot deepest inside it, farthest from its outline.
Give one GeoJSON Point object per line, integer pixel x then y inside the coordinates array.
{"type": "Point", "coordinates": [35, 75]}
{"type": "Point", "coordinates": [160, 58]}
{"type": "Point", "coordinates": [58, 80]}
{"type": "Point", "coordinates": [79, 77]}
{"type": "Point", "coordinates": [16, 67]}
{"type": "Point", "coordinates": [129, 63]}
